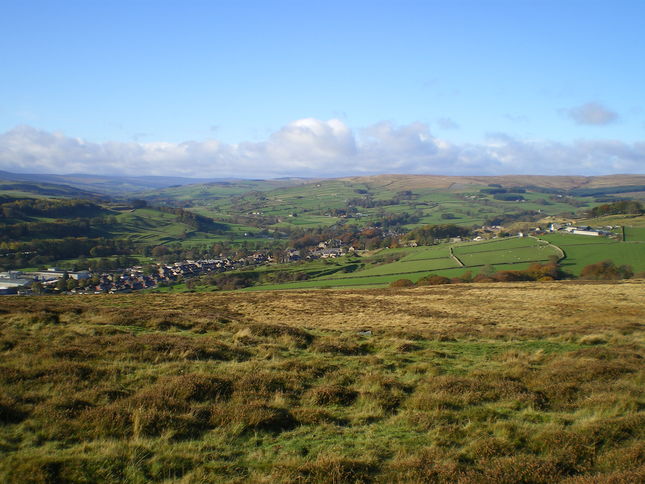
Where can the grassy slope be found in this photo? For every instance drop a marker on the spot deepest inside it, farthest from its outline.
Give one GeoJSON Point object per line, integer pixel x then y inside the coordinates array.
{"type": "Point", "coordinates": [26, 189]}
{"type": "Point", "coordinates": [473, 383]}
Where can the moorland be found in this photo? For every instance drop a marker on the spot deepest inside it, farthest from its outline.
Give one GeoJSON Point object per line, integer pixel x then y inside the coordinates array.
{"type": "Point", "coordinates": [473, 383]}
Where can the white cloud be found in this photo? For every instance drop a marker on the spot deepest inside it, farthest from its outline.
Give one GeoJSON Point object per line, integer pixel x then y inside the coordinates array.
{"type": "Point", "coordinates": [312, 147]}
{"type": "Point", "coordinates": [592, 114]}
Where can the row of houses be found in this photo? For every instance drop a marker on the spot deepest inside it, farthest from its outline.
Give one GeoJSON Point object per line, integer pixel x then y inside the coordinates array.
{"type": "Point", "coordinates": [134, 279]}
{"type": "Point", "coordinates": [130, 279]}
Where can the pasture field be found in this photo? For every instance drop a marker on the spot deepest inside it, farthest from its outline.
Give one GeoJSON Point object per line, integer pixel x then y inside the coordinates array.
{"type": "Point", "coordinates": [582, 250]}
{"type": "Point", "coordinates": [495, 245]}
{"type": "Point", "coordinates": [634, 234]}
{"type": "Point", "coordinates": [579, 256]}
{"type": "Point", "coordinates": [413, 263]}
{"type": "Point", "coordinates": [148, 226]}
{"type": "Point", "coordinates": [532, 253]}
{"type": "Point", "coordinates": [477, 383]}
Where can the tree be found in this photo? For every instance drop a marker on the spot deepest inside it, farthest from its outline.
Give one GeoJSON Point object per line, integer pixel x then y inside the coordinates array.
{"type": "Point", "coordinates": [37, 288]}
{"type": "Point", "coordinates": [61, 284]}
{"type": "Point", "coordinates": [138, 203]}
{"type": "Point", "coordinates": [402, 283]}
{"type": "Point", "coordinates": [433, 280]}
{"type": "Point", "coordinates": [159, 251]}
{"type": "Point", "coordinates": [606, 270]}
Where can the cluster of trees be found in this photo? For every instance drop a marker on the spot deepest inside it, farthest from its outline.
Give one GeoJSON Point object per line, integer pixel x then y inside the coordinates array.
{"type": "Point", "coordinates": [382, 234]}
{"type": "Point", "coordinates": [592, 192]}
{"type": "Point", "coordinates": [606, 271]}
{"type": "Point", "coordinates": [630, 207]}
{"type": "Point", "coordinates": [504, 194]}
{"type": "Point", "coordinates": [360, 238]}
{"type": "Point", "coordinates": [367, 201]}
{"type": "Point", "coordinates": [39, 252]}
{"type": "Point", "coordinates": [395, 221]}
{"type": "Point", "coordinates": [498, 190]}
{"type": "Point", "coordinates": [507, 218]}
{"type": "Point", "coordinates": [50, 208]}
{"type": "Point", "coordinates": [508, 197]}
{"type": "Point", "coordinates": [550, 271]}
{"type": "Point", "coordinates": [59, 228]}
{"type": "Point", "coordinates": [427, 234]}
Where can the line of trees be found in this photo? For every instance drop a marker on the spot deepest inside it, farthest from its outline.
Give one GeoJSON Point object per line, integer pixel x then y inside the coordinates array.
{"type": "Point", "coordinates": [550, 271]}
{"type": "Point", "coordinates": [628, 207]}
{"type": "Point", "coordinates": [49, 208]}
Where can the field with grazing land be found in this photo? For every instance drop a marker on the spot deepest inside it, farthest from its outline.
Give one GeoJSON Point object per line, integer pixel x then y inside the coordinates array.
{"type": "Point", "coordinates": [635, 234]}
{"type": "Point", "coordinates": [471, 383]}
{"type": "Point", "coordinates": [388, 265]}
{"type": "Point", "coordinates": [582, 250]}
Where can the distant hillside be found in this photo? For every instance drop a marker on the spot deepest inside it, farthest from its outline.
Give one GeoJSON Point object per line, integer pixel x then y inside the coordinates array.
{"type": "Point", "coordinates": [380, 184]}
{"type": "Point", "coordinates": [409, 182]}
{"type": "Point", "coordinates": [112, 185]}
{"type": "Point", "coordinates": [181, 188]}
{"type": "Point", "coordinates": [221, 189]}
{"type": "Point", "coordinates": [25, 189]}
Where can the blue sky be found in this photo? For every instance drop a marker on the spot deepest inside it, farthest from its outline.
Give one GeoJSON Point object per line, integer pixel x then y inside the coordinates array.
{"type": "Point", "coordinates": [278, 88]}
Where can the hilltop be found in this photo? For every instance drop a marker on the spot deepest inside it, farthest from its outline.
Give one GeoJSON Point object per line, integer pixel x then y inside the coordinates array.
{"type": "Point", "coordinates": [440, 181]}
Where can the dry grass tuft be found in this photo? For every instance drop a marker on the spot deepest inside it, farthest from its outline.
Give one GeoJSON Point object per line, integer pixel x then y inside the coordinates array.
{"type": "Point", "coordinates": [332, 395]}
{"type": "Point", "coordinates": [328, 469]}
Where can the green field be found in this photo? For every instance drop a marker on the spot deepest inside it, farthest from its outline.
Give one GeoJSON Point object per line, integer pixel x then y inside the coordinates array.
{"type": "Point", "coordinates": [148, 226]}
{"type": "Point", "coordinates": [582, 250]}
{"type": "Point", "coordinates": [413, 263]}
{"type": "Point", "coordinates": [634, 234]}
{"type": "Point", "coordinates": [503, 254]}
{"type": "Point", "coordinates": [534, 253]}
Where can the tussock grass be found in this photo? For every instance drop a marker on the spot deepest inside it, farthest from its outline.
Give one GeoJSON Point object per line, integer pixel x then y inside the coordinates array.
{"type": "Point", "coordinates": [470, 384]}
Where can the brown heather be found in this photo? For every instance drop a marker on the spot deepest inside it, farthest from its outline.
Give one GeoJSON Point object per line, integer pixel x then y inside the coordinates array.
{"type": "Point", "coordinates": [460, 383]}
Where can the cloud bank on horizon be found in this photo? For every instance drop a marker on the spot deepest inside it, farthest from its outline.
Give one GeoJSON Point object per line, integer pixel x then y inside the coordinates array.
{"type": "Point", "coordinates": [313, 147]}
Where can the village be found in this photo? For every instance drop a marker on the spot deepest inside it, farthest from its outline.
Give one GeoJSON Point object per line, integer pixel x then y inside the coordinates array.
{"type": "Point", "coordinates": [135, 278]}
{"type": "Point", "coordinates": [156, 275]}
